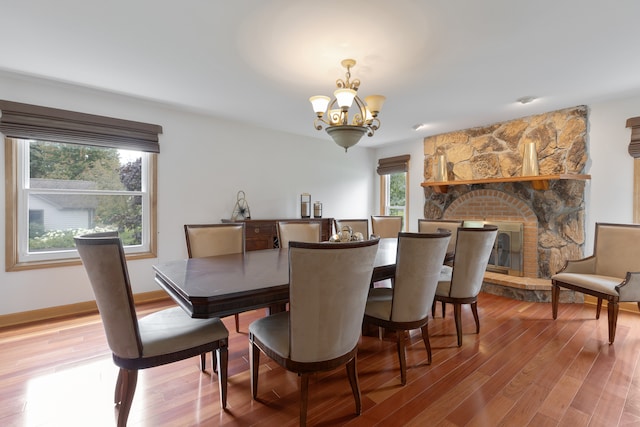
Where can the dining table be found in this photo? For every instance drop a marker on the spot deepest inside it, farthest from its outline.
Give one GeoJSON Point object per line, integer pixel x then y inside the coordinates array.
{"type": "Point", "coordinates": [222, 285]}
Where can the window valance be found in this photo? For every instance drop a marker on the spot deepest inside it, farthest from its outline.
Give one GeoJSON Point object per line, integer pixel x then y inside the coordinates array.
{"type": "Point", "coordinates": [393, 164]}
{"type": "Point", "coordinates": [634, 145]}
{"type": "Point", "coordinates": [27, 121]}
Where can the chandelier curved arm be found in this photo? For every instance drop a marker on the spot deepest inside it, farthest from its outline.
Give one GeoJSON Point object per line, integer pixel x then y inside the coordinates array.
{"type": "Point", "coordinates": [318, 123]}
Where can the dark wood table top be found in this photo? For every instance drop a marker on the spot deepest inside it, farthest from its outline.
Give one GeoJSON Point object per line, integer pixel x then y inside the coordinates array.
{"type": "Point", "coordinates": [223, 285]}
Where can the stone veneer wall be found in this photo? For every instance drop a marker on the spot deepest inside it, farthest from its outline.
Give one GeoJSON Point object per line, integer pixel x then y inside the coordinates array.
{"type": "Point", "coordinates": [495, 151]}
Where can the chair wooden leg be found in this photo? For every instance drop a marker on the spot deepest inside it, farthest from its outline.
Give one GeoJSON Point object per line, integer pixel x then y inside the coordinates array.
{"type": "Point", "coordinates": [433, 309]}
{"type": "Point", "coordinates": [555, 297]}
{"type": "Point", "coordinates": [254, 365]}
{"type": "Point", "coordinates": [612, 311]}
{"type": "Point", "coordinates": [599, 308]}
{"type": "Point", "coordinates": [237, 318]}
{"type": "Point", "coordinates": [127, 379]}
{"type": "Point", "coordinates": [401, 356]}
{"type": "Point", "coordinates": [444, 306]}
{"type": "Point", "coordinates": [457, 314]}
{"type": "Point", "coordinates": [427, 344]}
{"type": "Point", "coordinates": [304, 398]}
{"type": "Point", "coordinates": [352, 374]}
{"type": "Point", "coordinates": [203, 362]}
{"type": "Point", "coordinates": [474, 310]}
{"type": "Point", "coordinates": [119, 392]}
{"type": "Point", "coordinates": [222, 356]}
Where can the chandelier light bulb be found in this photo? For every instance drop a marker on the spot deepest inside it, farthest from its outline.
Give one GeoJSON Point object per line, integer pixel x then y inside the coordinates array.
{"type": "Point", "coordinates": [320, 104]}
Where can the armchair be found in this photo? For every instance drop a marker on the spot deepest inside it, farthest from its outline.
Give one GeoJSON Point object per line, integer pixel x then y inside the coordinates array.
{"type": "Point", "coordinates": [612, 273]}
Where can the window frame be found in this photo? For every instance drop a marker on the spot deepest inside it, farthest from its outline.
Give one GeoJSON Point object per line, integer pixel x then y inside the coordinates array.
{"type": "Point", "coordinates": [385, 207]}
{"type": "Point", "coordinates": [14, 224]}
{"type": "Point", "coordinates": [387, 167]}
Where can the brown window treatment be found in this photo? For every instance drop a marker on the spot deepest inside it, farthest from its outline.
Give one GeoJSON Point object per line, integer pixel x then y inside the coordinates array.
{"type": "Point", "coordinates": [634, 145]}
{"type": "Point", "coordinates": [393, 164]}
{"type": "Point", "coordinates": [27, 121]}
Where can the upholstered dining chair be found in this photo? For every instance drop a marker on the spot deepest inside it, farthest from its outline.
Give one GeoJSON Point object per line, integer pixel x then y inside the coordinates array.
{"type": "Point", "coordinates": [612, 273]}
{"type": "Point", "coordinates": [300, 231]}
{"type": "Point", "coordinates": [462, 283]}
{"type": "Point", "coordinates": [328, 285]}
{"type": "Point", "coordinates": [386, 225]}
{"type": "Point", "coordinates": [433, 225]}
{"type": "Point", "coordinates": [205, 240]}
{"type": "Point", "coordinates": [357, 226]}
{"type": "Point", "coordinates": [406, 306]}
{"type": "Point", "coordinates": [162, 337]}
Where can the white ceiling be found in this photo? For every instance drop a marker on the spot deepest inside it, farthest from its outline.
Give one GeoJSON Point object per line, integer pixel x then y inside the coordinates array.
{"type": "Point", "coordinates": [451, 64]}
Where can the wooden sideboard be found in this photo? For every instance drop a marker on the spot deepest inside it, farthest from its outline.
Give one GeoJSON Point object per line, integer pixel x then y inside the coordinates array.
{"type": "Point", "coordinates": [263, 234]}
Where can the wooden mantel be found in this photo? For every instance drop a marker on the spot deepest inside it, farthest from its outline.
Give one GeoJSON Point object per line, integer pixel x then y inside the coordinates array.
{"type": "Point", "coordinates": [538, 182]}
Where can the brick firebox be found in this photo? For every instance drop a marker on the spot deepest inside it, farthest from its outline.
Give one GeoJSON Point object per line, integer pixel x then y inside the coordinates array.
{"type": "Point", "coordinates": [494, 205]}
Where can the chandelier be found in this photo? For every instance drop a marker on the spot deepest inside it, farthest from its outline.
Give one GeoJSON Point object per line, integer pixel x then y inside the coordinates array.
{"type": "Point", "coordinates": [365, 114]}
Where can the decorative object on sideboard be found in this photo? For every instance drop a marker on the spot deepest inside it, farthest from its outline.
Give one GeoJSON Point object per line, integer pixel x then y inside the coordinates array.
{"type": "Point", "coordinates": [346, 234]}
{"type": "Point", "coordinates": [365, 117]}
{"type": "Point", "coordinates": [241, 209]}
{"type": "Point", "coordinates": [317, 209]}
{"type": "Point", "coordinates": [530, 160]}
{"type": "Point", "coordinates": [441, 174]}
{"type": "Point", "coordinates": [305, 205]}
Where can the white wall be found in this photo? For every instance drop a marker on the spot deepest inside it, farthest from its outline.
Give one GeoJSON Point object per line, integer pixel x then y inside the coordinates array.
{"type": "Point", "coordinates": [610, 192]}
{"type": "Point", "coordinates": [202, 164]}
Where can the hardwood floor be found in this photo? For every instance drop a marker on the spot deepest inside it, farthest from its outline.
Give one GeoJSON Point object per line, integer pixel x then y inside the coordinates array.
{"type": "Point", "coordinates": [522, 369]}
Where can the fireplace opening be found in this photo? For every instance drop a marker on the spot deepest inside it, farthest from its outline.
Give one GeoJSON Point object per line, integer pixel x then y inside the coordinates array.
{"type": "Point", "coordinates": [507, 254]}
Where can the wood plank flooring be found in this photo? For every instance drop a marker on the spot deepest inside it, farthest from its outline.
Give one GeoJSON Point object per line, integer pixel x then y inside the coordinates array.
{"type": "Point", "coordinates": [523, 369]}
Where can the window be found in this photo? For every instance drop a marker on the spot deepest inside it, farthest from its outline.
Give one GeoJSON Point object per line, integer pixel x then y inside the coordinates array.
{"type": "Point", "coordinates": [394, 187]}
{"type": "Point", "coordinates": [74, 180]}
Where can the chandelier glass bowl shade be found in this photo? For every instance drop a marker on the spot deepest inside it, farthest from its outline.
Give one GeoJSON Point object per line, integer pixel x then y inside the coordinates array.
{"type": "Point", "coordinates": [333, 114]}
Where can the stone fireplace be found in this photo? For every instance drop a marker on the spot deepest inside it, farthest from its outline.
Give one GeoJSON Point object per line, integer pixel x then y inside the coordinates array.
{"type": "Point", "coordinates": [482, 169]}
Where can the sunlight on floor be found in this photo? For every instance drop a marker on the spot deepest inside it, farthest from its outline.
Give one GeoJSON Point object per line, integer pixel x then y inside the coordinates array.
{"type": "Point", "coordinates": [77, 396]}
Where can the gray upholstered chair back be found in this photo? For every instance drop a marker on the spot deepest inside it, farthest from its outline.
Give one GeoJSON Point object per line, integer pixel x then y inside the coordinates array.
{"type": "Point", "coordinates": [433, 225]}
{"type": "Point", "coordinates": [611, 250]}
{"type": "Point", "coordinates": [357, 226]}
{"type": "Point", "coordinates": [103, 258]}
{"type": "Point", "coordinates": [205, 240]}
{"type": "Point", "coordinates": [305, 231]}
{"type": "Point", "coordinates": [473, 249]}
{"type": "Point", "coordinates": [418, 264]}
{"type": "Point", "coordinates": [386, 226]}
{"type": "Point", "coordinates": [328, 286]}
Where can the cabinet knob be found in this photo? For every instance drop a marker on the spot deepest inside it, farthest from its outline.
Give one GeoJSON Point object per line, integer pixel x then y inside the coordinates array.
{"type": "Point", "coordinates": [256, 230]}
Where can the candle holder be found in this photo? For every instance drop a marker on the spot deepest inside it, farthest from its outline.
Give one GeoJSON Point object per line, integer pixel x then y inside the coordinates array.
{"type": "Point", "coordinates": [441, 174]}
{"type": "Point", "coordinates": [530, 160]}
{"type": "Point", "coordinates": [317, 210]}
{"type": "Point", "coordinates": [305, 205]}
